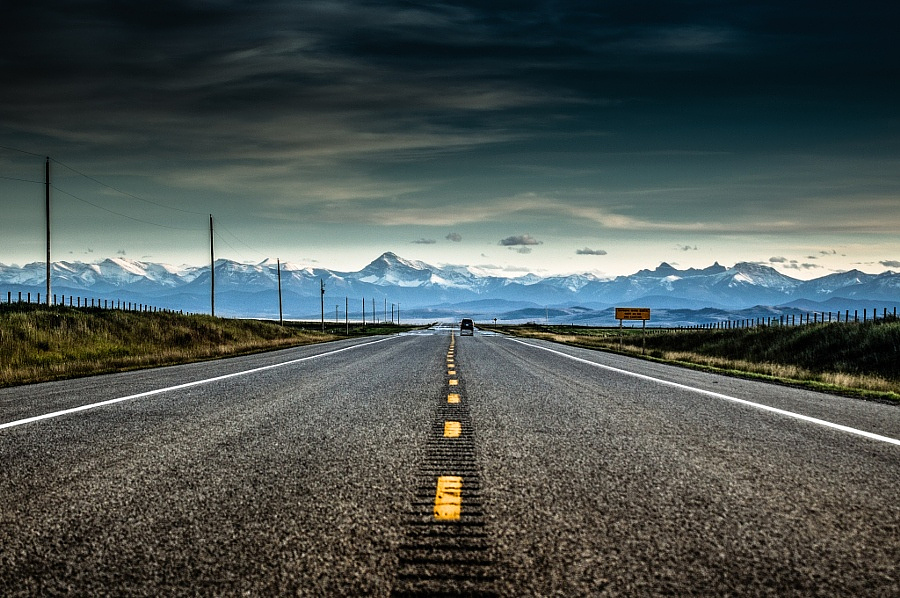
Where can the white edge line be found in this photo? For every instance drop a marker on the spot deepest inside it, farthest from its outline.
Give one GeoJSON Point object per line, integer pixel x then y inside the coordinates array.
{"type": "Point", "coordinates": [28, 420]}
{"type": "Point", "coordinates": [806, 418]}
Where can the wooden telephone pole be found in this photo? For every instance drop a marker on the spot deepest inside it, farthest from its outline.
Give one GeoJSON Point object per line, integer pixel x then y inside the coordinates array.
{"type": "Point", "coordinates": [280, 312]}
{"type": "Point", "coordinates": [212, 270]}
{"type": "Point", "coordinates": [47, 188]}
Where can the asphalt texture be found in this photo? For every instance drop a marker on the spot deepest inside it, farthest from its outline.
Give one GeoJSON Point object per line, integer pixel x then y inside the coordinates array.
{"type": "Point", "coordinates": [316, 478]}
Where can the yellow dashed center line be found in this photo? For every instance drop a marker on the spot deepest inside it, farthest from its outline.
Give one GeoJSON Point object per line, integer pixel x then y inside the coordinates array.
{"type": "Point", "coordinates": [448, 498]}
{"type": "Point", "coordinates": [448, 495]}
{"type": "Point", "coordinates": [452, 429]}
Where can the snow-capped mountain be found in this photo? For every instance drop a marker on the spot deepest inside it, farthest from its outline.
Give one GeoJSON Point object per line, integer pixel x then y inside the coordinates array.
{"type": "Point", "coordinates": [251, 289]}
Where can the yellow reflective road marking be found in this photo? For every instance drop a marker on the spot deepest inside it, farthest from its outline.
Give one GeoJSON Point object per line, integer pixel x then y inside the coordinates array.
{"type": "Point", "coordinates": [451, 372]}
{"type": "Point", "coordinates": [453, 398]}
{"type": "Point", "coordinates": [452, 429]}
{"type": "Point", "coordinates": [454, 382]}
{"type": "Point", "coordinates": [448, 498]}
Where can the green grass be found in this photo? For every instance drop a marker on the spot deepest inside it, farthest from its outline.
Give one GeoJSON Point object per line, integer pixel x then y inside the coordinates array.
{"type": "Point", "coordinates": [40, 343]}
{"type": "Point", "coordinates": [858, 358]}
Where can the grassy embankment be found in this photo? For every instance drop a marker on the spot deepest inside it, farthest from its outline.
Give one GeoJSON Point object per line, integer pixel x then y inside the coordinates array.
{"type": "Point", "coordinates": [860, 359]}
{"type": "Point", "coordinates": [39, 343]}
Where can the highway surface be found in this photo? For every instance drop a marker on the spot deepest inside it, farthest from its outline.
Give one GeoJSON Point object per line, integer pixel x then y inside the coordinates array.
{"type": "Point", "coordinates": [430, 464]}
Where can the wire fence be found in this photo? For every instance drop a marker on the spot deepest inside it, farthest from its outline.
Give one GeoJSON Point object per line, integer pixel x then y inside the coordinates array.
{"type": "Point", "coordinates": [805, 319]}
{"type": "Point", "coordinates": [87, 302]}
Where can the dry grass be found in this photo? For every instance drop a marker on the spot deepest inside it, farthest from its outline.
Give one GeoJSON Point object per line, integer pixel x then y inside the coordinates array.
{"type": "Point", "coordinates": [851, 374]}
{"type": "Point", "coordinates": [38, 343]}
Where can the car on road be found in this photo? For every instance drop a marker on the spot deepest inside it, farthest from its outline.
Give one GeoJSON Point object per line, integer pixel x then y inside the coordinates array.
{"type": "Point", "coordinates": [466, 327]}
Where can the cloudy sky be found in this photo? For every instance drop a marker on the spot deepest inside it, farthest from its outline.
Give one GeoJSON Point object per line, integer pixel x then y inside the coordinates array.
{"type": "Point", "coordinates": [543, 136]}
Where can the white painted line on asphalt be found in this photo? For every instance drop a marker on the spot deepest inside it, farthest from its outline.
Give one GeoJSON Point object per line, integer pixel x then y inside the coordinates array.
{"type": "Point", "coordinates": [709, 393]}
{"type": "Point", "coordinates": [150, 393]}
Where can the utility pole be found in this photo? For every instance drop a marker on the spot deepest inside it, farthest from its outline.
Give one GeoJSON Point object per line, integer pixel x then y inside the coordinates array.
{"type": "Point", "coordinates": [47, 194]}
{"type": "Point", "coordinates": [347, 313]}
{"type": "Point", "coordinates": [212, 270]}
{"type": "Point", "coordinates": [364, 312]}
{"type": "Point", "coordinates": [398, 314]}
{"type": "Point", "coordinates": [280, 313]}
{"type": "Point", "coordinates": [322, 290]}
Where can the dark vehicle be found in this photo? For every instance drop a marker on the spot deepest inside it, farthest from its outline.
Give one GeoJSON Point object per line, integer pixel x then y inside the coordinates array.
{"type": "Point", "coordinates": [466, 327]}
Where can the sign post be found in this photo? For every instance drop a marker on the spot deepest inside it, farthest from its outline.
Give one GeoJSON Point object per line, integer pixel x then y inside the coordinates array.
{"type": "Point", "coordinates": [633, 313]}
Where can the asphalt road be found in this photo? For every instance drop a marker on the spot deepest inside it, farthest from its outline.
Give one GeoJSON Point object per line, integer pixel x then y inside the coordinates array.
{"type": "Point", "coordinates": [315, 472]}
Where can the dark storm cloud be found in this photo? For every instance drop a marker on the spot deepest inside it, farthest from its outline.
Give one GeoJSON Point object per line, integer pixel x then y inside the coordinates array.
{"type": "Point", "coordinates": [353, 98]}
{"type": "Point", "coordinates": [424, 242]}
{"type": "Point", "coordinates": [139, 67]}
{"type": "Point", "coordinates": [455, 237]}
{"type": "Point", "coordinates": [517, 240]}
{"type": "Point", "coordinates": [588, 251]}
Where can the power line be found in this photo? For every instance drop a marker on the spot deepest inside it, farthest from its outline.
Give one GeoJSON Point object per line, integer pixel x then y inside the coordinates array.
{"type": "Point", "coordinates": [238, 239]}
{"type": "Point", "coordinates": [235, 250]}
{"type": "Point", "coordinates": [21, 151]}
{"type": "Point", "coordinates": [94, 179]}
{"type": "Point", "coordinates": [12, 178]}
{"type": "Point", "coordinates": [131, 195]}
{"type": "Point", "coordinates": [127, 194]}
{"type": "Point", "coordinates": [99, 207]}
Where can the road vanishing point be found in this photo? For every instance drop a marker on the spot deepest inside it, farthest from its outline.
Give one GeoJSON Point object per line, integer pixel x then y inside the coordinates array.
{"type": "Point", "coordinates": [428, 464]}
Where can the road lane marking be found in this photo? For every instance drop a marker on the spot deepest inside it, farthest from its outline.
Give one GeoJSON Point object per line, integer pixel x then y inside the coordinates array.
{"type": "Point", "coordinates": [452, 429]}
{"type": "Point", "coordinates": [451, 372]}
{"type": "Point", "coordinates": [709, 393]}
{"type": "Point", "coordinates": [150, 393]}
{"type": "Point", "coordinates": [453, 398]}
{"type": "Point", "coordinates": [454, 382]}
{"type": "Point", "coordinates": [448, 498]}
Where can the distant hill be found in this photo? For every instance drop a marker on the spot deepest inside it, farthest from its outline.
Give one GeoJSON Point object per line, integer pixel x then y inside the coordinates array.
{"type": "Point", "coordinates": [424, 291]}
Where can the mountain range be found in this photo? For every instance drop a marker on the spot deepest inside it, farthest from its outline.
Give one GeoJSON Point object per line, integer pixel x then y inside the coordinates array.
{"type": "Point", "coordinates": [427, 292]}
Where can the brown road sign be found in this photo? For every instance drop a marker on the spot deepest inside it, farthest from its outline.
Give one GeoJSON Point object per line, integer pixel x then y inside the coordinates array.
{"type": "Point", "coordinates": [632, 313]}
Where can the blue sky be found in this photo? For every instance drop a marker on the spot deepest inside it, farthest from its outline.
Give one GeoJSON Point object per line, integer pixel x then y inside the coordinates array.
{"type": "Point", "coordinates": [551, 137]}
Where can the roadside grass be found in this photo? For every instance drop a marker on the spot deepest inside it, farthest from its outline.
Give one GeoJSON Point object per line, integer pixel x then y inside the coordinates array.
{"type": "Point", "coordinates": [40, 343]}
{"type": "Point", "coordinates": [858, 359]}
